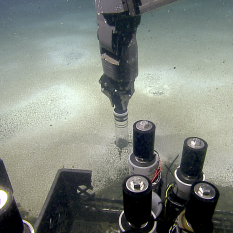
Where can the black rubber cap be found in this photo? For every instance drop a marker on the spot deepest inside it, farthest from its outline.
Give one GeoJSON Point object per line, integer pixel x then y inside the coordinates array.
{"type": "Point", "coordinates": [193, 157]}
{"type": "Point", "coordinates": [143, 140]}
{"type": "Point", "coordinates": [137, 204]}
{"type": "Point", "coordinates": [201, 206]}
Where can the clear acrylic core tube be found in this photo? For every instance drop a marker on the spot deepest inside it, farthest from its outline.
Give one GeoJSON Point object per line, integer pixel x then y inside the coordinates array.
{"type": "Point", "coordinates": [121, 128]}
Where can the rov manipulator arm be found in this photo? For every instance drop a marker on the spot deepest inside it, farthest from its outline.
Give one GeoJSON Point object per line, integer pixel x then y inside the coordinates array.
{"type": "Point", "coordinates": [117, 25]}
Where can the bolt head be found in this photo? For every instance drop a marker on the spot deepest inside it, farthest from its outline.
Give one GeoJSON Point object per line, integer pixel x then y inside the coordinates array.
{"type": "Point", "coordinates": [143, 125]}
{"type": "Point", "coordinates": [204, 190]}
{"type": "Point", "coordinates": [137, 183]}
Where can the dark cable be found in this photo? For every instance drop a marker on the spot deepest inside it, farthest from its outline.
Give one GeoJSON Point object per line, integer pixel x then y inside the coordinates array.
{"type": "Point", "coordinates": [169, 168]}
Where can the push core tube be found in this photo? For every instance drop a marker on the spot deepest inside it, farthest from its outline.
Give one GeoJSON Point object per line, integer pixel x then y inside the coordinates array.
{"type": "Point", "coordinates": [121, 128]}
